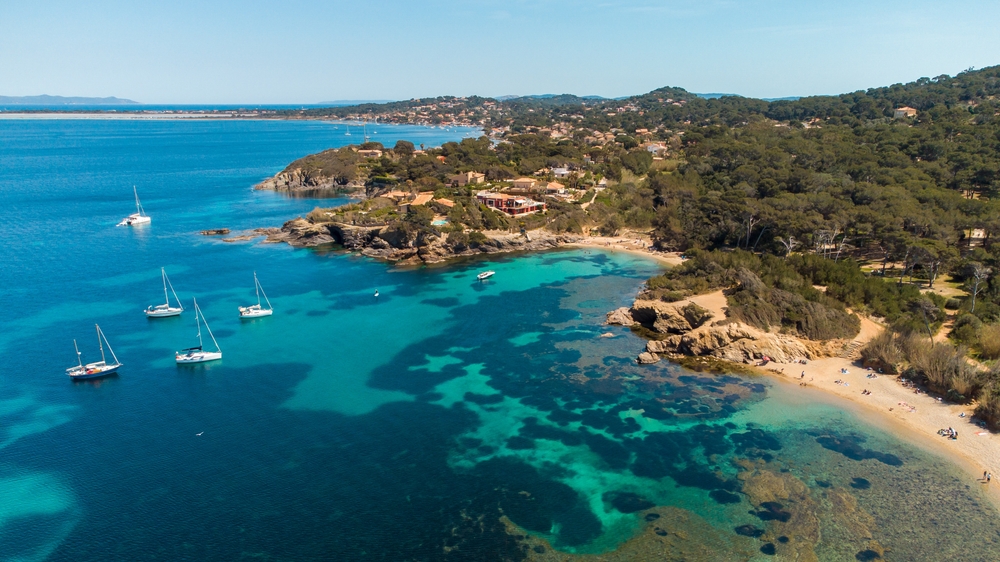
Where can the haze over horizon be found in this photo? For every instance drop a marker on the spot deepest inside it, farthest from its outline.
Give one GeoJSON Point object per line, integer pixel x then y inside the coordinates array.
{"type": "Point", "coordinates": [307, 52]}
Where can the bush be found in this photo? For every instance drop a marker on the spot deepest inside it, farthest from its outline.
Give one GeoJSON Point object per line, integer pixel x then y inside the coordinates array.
{"type": "Point", "coordinates": [988, 343]}
{"type": "Point", "coordinates": [884, 351]}
{"type": "Point", "coordinates": [696, 315]}
{"type": "Point", "coordinates": [966, 329]}
{"type": "Point", "coordinates": [953, 304]}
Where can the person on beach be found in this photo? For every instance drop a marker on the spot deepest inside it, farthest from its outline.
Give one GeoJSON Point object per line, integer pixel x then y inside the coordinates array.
{"type": "Point", "coordinates": [989, 477]}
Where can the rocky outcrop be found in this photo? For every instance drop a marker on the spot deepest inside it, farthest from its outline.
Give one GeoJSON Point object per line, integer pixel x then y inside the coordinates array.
{"type": "Point", "coordinates": [620, 317]}
{"type": "Point", "coordinates": [688, 332]}
{"type": "Point", "coordinates": [293, 180]}
{"type": "Point", "coordinates": [215, 232]}
{"type": "Point", "coordinates": [647, 358]}
{"type": "Point", "coordinates": [392, 244]}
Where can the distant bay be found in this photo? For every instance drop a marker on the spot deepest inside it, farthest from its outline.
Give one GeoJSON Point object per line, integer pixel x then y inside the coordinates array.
{"type": "Point", "coordinates": [447, 419]}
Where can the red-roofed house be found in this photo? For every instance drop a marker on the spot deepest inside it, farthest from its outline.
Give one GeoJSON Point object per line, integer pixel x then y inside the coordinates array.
{"type": "Point", "coordinates": [512, 205]}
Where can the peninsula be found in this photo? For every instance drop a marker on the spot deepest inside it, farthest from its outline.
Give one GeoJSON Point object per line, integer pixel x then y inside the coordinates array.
{"type": "Point", "coordinates": [857, 227]}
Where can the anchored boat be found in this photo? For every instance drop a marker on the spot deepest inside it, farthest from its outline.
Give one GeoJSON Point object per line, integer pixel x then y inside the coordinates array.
{"type": "Point", "coordinates": [256, 310]}
{"type": "Point", "coordinates": [486, 275]}
{"type": "Point", "coordinates": [139, 216]}
{"type": "Point", "coordinates": [198, 354]}
{"type": "Point", "coordinates": [94, 370]}
{"type": "Point", "coordinates": [164, 310]}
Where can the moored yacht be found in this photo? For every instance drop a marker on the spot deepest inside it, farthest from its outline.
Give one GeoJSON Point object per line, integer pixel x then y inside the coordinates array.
{"type": "Point", "coordinates": [164, 310]}
{"type": "Point", "coordinates": [97, 369]}
{"type": "Point", "coordinates": [137, 218]}
{"type": "Point", "coordinates": [198, 354]}
{"type": "Point", "coordinates": [486, 275]}
{"type": "Point", "coordinates": [256, 310]}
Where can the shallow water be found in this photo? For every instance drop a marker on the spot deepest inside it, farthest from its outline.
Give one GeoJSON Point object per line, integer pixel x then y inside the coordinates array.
{"type": "Point", "coordinates": [398, 428]}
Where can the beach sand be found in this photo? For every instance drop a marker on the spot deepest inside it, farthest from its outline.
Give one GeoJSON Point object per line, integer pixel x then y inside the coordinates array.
{"type": "Point", "coordinates": [904, 411]}
{"type": "Point", "coordinates": [630, 243]}
{"type": "Point", "coordinates": [901, 410]}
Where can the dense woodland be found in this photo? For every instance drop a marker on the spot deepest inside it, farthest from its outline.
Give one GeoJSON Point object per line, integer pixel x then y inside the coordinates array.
{"type": "Point", "coordinates": [826, 190]}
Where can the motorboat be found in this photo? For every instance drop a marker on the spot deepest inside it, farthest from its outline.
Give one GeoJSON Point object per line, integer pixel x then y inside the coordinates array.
{"type": "Point", "coordinates": [486, 275]}
{"type": "Point", "coordinates": [165, 310]}
{"type": "Point", "coordinates": [256, 310]}
{"type": "Point", "coordinates": [137, 218]}
{"type": "Point", "coordinates": [198, 354]}
{"type": "Point", "coordinates": [97, 369]}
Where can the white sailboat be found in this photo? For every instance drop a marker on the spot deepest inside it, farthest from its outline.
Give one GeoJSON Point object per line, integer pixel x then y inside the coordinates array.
{"type": "Point", "coordinates": [97, 369]}
{"type": "Point", "coordinates": [198, 354]}
{"type": "Point", "coordinates": [164, 310]}
{"type": "Point", "coordinates": [348, 133]}
{"type": "Point", "coordinates": [139, 216]}
{"type": "Point", "coordinates": [256, 310]}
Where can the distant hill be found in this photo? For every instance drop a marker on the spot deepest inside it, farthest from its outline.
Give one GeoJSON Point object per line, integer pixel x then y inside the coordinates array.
{"type": "Point", "coordinates": [353, 102]}
{"type": "Point", "coordinates": [61, 100]}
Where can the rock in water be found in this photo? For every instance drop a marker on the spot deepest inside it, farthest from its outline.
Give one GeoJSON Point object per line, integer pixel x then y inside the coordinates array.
{"type": "Point", "coordinates": [620, 317]}
{"type": "Point", "coordinates": [647, 358]}
{"type": "Point", "coordinates": [215, 231]}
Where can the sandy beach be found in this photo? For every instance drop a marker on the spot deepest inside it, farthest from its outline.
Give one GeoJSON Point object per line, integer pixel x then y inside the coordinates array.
{"type": "Point", "coordinates": [899, 408]}
{"type": "Point", "coordinates": [905, 411]}
{"type": "Point", "coordinates": [629, 243]}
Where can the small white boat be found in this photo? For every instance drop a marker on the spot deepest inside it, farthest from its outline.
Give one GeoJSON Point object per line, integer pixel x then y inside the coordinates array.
{"type": "Point", "coordinates": [164, 310]}
{"type": "Point", "coordinates": [139, 216]}
{"type": "Point", "coordinates": [198, 354]}
{"type": "Point", "coordinates": [256, 310]}
{"type": "Point", "coordinates": [486, 275]}
{"type": "Point", "coordinates": [94, 370]}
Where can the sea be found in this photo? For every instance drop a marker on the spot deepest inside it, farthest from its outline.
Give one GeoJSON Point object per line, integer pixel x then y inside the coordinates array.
{"type": "Point", "coordinates": [444, 419]}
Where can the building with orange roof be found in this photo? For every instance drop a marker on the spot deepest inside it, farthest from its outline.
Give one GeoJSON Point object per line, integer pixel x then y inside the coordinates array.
{"type": "Point", "coordinates": [512, 205]}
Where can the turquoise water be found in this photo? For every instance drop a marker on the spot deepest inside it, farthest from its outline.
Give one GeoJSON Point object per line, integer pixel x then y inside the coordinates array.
{"type": "Point", "coordinates": [448, 419]}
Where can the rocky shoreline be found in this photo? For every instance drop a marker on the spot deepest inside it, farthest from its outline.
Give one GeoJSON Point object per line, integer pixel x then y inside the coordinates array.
{"type": "Point", "coordinates": [698, 327]}
{"type": "Point", "coordinates": [387, 243]}
{"type": "Point", "coordinates": [297, 180]}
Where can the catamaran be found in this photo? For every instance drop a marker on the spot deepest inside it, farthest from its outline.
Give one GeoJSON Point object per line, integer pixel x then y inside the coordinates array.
{"type": "Point", "coordinates": [198, 354]}
{"type": "Point", "coordinates": [256, 310]}
{"type": "Point", "coordinates": [139, 216]}
{"type": "Point", "coordinates": [164, 310]}
{"type": "Point", "coordinates": [94, 370]}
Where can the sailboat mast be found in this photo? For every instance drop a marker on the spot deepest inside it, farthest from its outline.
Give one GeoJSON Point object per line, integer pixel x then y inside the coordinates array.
{"type": "Point", "coordinates": [78, 358]}
{"type": "Point", "coordinates": [163, 274]}
{"type": "Point", "coordinates": [256, 287]}
{"type": "Point", "coordinates": [113, 356]}
{"type": "Point", "coordinates": [197, 319]}
{"type": "Point", "coordinates": [137, 208]}
{"type": "Point", "coordinates": [100, 343]}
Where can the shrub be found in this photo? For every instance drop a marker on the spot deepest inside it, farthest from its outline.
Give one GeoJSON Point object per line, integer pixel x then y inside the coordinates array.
{"type": "Point", "coordinates": [884, 351]}
{"type": "Point", "coordinates": [696, 315]}
{"type": "Point", "coordinates": [988, 343]}
{"type": "Point", "coordinates": [966, 329]}
{"type": "Point", "coordinates": [953, 304]}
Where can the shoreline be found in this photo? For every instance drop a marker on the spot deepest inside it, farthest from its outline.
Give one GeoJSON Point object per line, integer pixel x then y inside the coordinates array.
{"type": "Point", "coordinates": [975, 450]}
{"type": "Point", "coordinates": [884, 408]}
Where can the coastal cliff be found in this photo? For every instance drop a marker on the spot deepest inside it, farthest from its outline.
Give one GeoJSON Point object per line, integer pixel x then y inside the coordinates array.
{"type": "Point", "coordinates": [393, 244]}
{"type": "Point", "coordinates": [298, 180]}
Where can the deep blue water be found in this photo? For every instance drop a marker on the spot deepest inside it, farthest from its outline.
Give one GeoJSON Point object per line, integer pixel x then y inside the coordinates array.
{"type": "Point", "coordinates": [446, 420]}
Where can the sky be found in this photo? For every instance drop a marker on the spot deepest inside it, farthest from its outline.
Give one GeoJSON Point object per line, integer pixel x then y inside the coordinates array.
{"type": "Point", "coordinates": [310, 51]}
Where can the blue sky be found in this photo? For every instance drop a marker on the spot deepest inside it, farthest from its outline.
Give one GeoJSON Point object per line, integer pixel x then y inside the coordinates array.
{"type": "Point", "coordinates": [306, 51]}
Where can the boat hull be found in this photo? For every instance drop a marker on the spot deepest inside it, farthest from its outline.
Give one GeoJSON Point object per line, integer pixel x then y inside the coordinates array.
{"type": "Point", "coordinates": [78, 374]}
{"type": "Point", "coordinates": [134, 220]}
{"type": "Point", "coordinates": [197, 357]}
{"type": "Point", "coordinates": [254, 312]}
{"type": "Point", "coordinates": [163, 312]}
